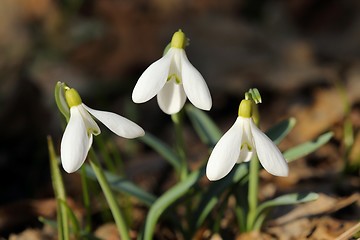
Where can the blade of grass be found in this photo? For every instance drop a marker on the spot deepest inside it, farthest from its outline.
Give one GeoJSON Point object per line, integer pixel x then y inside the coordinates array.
{"type": "Point", "coordinates": [288, 199]}
{"type": "Point", "coordinates": [307, 147]}
{"type": "Point", "coordinates": [59, 191]}
{"type": "Point", "coordinates": [207, 130]}
{"type": "Point", "coordinates": [278, 132]}
{"type": "Point", "coordinates": [123, 185]}
{"type": "Point", "coordinates": [168, 198]}
{"type": "Point", "coordinates": [163, 149]}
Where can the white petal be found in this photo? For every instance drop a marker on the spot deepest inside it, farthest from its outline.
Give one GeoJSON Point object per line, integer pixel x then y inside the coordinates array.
{"type": "Point", "coordinates": [247, 145]}
{"type": "Point", "coordinates": [172, 97]}
{"type": "Point", "coordinates": [225, 153]}
{"type": "Point", "coordinates": [152, 79]}
{"type": "Point", "coordinates": [194, 85]}
{"type": "Point", "coordinates": [245, 155]}
{"type": "Point", "coordinates": [90, 123]}
{"type": "Point", "coordinates": [121, 126]}
{"type": "Point", "coordinates": [75, 142]}
{"type": "Point", "coordinates": [269, 155]}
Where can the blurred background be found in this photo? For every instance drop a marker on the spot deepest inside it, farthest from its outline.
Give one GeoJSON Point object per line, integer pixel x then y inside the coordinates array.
{"type": "Point", "coordinates": [303, 56]}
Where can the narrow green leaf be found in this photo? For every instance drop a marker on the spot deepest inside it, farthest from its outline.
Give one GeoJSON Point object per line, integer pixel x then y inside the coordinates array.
{"type": "Point", "coordinates": [73, 219]}
{"type": "Point", "coordinates": [59, 192]}
{"type": "Point", "coordinates": [124, 185]}
{"type": "Point", "coordinates": [288, 199]}
{"type": "Point", "coordinates": [278, 132]}
{"type": "Point", "coordinates": [163, 149]}
{"type": "Point", "coordinates": [207, 130]}
{"type": "Point", "coordinates": [212, 195]}
{"type": "Point", "coordinates": [168, 198]}
{"type": "Point", "coordinates": [307, 147]}
{"type": "Point", "coordinates": [49, 222]}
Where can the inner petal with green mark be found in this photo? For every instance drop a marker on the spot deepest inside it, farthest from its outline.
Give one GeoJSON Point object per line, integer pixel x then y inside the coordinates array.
{"type": "Point", "coordinates": [174, 76]}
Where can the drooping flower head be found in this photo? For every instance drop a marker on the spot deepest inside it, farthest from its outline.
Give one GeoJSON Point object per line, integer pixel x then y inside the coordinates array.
{"type": "Point", "coordinates": [240, 143]}
{"type": "Point", "coordinates": [173, 79]}
{"type": "Point", "coordinates": [78, 135]}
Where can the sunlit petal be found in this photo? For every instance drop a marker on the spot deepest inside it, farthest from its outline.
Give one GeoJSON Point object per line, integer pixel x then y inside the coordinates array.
{"type": "Point", "coordinates": [152, 79]}
{"type": "Point", "coordinates": [194, 85]}
{"type": "Point", "coordinates": [269, 155]}
{"type": "Point", "coordinates": [225, 153]}
{"type": "Point", "coordinates": [116, 123]}
{"type": "Point", "coordinates": [171, 97]}
{"type": "Point", "coordinates": [75, 142]}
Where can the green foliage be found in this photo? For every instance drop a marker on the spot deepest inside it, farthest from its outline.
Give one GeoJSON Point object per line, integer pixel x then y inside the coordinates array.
{"type": "Point", "coordinates": [307, 147]}
{"type": "Point", "coordinates": [123, 185]}
{"type": "Point", "coordinates": [199, 201]}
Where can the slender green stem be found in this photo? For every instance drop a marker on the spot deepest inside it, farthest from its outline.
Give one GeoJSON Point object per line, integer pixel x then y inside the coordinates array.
{"type": "Point", "coordinates": [110, 198]}
{"type": "Point", "coordinates": [253, 192]}
{"type": "Point", "coordinates": [60, 194]}
{"type": "Point", "coordinates": [177, 118]}
{"type": "Point", "coordinates": [86, 198]}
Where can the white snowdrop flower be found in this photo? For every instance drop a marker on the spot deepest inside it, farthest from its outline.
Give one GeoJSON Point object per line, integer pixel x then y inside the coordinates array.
{"type": "Point", "coordinates": [78, 135]}
{"type": "Point", "coordinates": [239, 144]}
{"type": "Point", "coordinates": [173, 79]}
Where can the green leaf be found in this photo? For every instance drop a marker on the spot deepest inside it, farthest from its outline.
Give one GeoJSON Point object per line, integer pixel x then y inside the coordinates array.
{"type": "Point", "coordinates": [124, 185]}
{"type": "Point", "coordinates": [59, 192]}
{"type": "Point", "coordinates": [168, 198]}
{"type": "Point", "coordinates": [207, 130]}
{"type": "Point", "coordinates": [163, 149]}
{"type": "Point", "coordinates": [213, 194]}
{"type": "Point", "coordinates": [288, 199]}
{"type": "Point", "coordinates": [278, 132]}
{"type": "Point", "coordinates": [73, 219]}
{"type": "Point", "coordinates": [307, 147]}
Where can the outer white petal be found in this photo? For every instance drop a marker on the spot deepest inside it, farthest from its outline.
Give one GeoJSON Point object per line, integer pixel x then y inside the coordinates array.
{"type": "Point", "coordinates": [225, 153]}
{"type": "Point", "coordinates": [269, 155]}
{"type": "Point", "coordinates": [194, 84]}
{"type": "Point", "coordinates": [172, 97]}
{"type": "Point", "coordinates": [121, 126]}
{"type": "Point", "coordinates": [75, 142]}
{"type": "Point", "coordinates": [152, 79]}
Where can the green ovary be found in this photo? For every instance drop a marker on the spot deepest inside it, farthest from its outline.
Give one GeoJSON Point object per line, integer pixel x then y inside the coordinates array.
{"type": "Point", "coordinates": [72, 97]}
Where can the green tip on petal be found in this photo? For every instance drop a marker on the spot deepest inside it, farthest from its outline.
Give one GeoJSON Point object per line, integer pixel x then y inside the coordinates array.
{"type": "Point", "coordinates": [178, 40]}
{"type": "Point", "coordinates": [72, 97]}
{"type": "Point", "coordinates": [245, 108]}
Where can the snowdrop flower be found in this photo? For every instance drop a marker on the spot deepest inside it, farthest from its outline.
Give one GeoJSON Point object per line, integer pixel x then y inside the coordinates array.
{"type": "Point", "coordinates": [173, 79]}
{"type": "Point", "coordinates": [240, 143]}
{"type": "Point", "coordinates": [78, 135]}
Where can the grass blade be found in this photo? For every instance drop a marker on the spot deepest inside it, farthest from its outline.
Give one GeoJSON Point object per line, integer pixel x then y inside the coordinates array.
{"type": "Point", "coordinates": [307, 147]}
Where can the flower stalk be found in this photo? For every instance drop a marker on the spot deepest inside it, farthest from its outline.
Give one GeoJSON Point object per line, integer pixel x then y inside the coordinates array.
{"type": "Point", "coordinates": [177, 119]}
{"type": "Point", "coordinates": [253, 192]}
{"type": "Point", "coordinates": [110, 198]}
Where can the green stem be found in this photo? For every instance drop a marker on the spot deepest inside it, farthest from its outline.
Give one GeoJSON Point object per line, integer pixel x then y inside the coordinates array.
{"type": "Point", "coordinates": [86, 198]}
{"type": "Point", "coordinates": [110, 198]}
{"type": "Point", "coordinates": [59, 190]}
{"type": "Point", "coordinates": [253, 192]}
{"type": "Point", "coordinates": [177, 118]}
